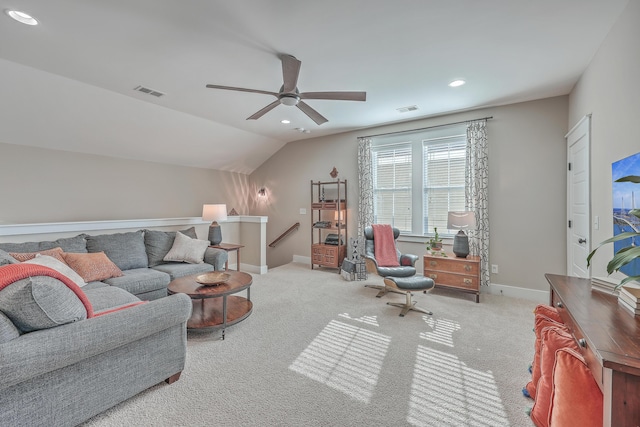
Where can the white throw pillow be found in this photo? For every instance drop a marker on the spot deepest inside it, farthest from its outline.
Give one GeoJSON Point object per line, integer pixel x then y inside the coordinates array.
{"type": "Point", "coordinates": [186, 249]}
{"type": "Point", "coordinates": [60, 267]}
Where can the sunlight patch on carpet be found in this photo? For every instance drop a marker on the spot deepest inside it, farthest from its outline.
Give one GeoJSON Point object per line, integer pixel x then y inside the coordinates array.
{"type": "Point", "coordinates": [446, 391]}
{"type": "Point", "coordinates": [369, 320]}
{"type": "Point", "coordinates": [442, 330]}
{"type": "Point", "coordinates": [345, 358]}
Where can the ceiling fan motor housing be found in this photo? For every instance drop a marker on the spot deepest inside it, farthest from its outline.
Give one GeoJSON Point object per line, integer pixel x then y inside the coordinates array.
{"type": "Point", "coordinates": [290, 99]}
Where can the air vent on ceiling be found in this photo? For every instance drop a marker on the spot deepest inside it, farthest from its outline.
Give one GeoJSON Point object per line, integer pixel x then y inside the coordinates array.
{"type": "Point", "coordinates": [148, 91]}
{"type": "Point", "coordinates": [407, 109]}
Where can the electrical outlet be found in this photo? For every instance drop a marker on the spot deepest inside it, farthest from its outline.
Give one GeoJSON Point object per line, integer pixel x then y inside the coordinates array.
{"type": "Point", "coordinates": [494, 268]}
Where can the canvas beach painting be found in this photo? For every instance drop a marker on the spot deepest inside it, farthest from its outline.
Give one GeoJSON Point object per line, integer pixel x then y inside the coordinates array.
{"type": "Point", "coordinates": [626, 196]}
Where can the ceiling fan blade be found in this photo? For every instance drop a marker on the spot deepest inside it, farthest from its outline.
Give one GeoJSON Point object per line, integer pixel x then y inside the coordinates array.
{"type": "Point", "coordinates": [337, 96]}
{"type": "Point", "coordinates": [313, 114]}
{"type": "Point", "coordinates": [290, 72]}
{"type": "Point", "coordinates": [241, 89]}
{"type": "Point", "coordinates": [264, 111]}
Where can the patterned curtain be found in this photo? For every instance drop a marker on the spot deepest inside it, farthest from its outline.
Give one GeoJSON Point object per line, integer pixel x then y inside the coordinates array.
{"type": "Point", "coordinates": [365, 185]}
{"type": "Point", "coordinates": [477, 193]}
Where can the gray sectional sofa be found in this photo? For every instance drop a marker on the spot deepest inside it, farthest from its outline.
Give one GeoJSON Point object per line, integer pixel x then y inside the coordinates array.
{"type": "Point", "coordinates": [64, 374]}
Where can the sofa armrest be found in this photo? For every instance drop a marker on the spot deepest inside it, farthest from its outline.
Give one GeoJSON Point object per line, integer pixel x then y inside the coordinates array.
{"type": "Point", "coordinates": [46, 350]}
{"type": "Point", "coordinates": [216, 257]}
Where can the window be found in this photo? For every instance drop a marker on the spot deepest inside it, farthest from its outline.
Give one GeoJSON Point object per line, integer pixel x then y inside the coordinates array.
{"type": "Point", "coordinates": [418, 178]}
{"type": "Point", "coordinates": [392, 168]}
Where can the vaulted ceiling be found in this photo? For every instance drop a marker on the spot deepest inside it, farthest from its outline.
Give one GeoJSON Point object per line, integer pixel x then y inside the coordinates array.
{"type": "Point", "coordinates": [68, 83]}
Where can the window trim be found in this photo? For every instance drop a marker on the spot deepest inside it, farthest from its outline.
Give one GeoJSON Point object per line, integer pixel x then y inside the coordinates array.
{"type": "Point", "coordinates": [417, 139]}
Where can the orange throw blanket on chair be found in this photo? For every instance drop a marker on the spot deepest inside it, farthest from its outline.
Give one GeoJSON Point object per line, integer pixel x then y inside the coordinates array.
{"type": "Point", "coordinates": [384, 246]}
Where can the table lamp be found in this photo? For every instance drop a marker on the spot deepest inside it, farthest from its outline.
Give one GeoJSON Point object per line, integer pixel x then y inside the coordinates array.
{"type": "Point", "coordinates": [214, 213]}
{"type": "Point", "coordinates": [461, 221]}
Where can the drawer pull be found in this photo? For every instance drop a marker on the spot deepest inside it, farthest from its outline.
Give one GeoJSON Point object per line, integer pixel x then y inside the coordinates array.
{"type": "Point", "coordinates": [467, 281]}
{"type": "Point", "coordinates": [433, 276]}
{"type": "Point", "coordinates": [433, 263]}
{"type": "Point", "coordinates": [559, 305]}
{"type": "Point", "coordinates": [582, 342]}
{"type": "Point", "coordinates": [467, 267]}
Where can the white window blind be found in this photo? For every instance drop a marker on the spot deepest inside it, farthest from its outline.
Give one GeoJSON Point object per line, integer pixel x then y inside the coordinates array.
{"type": "Point", "coordinates": [443, 181]}
{"type": "Point", "coordinates": [418, 177]}
{"type": "Point", "coordinates": [392, 175]}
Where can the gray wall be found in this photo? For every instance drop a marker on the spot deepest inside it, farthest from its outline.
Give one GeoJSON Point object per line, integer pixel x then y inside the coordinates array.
{"type": "Point", "coordinates": [41, 185]}
{"type": "Point", "coordinates": [609, 90]}
{"type": "Point", "coordinates": [527, 188]}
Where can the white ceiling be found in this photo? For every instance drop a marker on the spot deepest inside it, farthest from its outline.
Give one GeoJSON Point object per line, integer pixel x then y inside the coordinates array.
{"type": "Point", "coordinates": [68, 83]}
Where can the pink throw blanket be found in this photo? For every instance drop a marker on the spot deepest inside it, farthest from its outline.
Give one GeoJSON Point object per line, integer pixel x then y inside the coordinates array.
{"type": "Point", "coordinates": [384, 246]}
{"type": "Point", "coordinates": [14, 272]}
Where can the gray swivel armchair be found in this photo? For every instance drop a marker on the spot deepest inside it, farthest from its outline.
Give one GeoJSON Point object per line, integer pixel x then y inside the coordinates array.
{"type": "Point", "coordinates": [407, 261]}
{"type": "Point", "coordinates": [401, 279]}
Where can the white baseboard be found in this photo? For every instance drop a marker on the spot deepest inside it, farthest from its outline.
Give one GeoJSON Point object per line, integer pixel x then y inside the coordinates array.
{"type": "Point", "coordinates": [541, 297]}
{"type": "Point", "coordinates": [250, 268]}
{"type": "Point", "coordinates": [302, 259]}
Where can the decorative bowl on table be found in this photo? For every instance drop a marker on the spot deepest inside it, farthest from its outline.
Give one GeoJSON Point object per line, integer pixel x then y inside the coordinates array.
{"type": "Point", "coordinates": [213, 278]}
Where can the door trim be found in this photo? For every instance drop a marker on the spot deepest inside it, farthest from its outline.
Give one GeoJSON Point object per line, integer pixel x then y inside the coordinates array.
{"type": "Point", "coordinates": [578, 131]}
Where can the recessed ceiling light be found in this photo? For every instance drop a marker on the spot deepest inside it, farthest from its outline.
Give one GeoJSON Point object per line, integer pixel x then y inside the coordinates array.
{"type": "Point", "coordinates": [457, 83]}
{"type": "Point", "coordinates": [21, 17]}
{"type": "Point", "coordinates": [285, 121]}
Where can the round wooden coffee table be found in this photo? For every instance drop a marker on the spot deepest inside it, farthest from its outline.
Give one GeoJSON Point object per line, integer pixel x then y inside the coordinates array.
{"type": "Point", "coordinates": [215, 307]}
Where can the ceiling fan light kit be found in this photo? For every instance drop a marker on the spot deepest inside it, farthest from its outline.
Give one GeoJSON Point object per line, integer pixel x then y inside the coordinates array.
{"type": "Point", "coordinates": [289, 95]}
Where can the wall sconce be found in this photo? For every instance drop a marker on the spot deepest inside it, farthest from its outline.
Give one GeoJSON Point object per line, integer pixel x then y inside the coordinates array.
{"type": "Point", "coordinates": [262, 192]}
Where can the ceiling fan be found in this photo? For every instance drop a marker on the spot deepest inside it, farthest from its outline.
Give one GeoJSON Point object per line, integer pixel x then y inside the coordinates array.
{"type": "Point", "coordinates": [289, 94]}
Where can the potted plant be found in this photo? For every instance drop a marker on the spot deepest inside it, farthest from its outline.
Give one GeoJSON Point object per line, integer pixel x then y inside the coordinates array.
{"type": "Point", "coordinates": [627, 254]}
{"type": "Point", "coordinates": [435, 243]}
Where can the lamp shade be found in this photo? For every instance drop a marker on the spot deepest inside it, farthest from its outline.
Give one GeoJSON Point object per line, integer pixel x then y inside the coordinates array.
{"type": "Point", "coordinates": [465, 220]}
{"type": "Point", "coordinates": [214, 212]}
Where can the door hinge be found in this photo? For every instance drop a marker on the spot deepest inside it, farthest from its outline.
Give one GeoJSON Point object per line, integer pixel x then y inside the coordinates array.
{"type": "Point", "coordinates": [569, 166]}
{"type": "Point", "coordinates": [569, 223]}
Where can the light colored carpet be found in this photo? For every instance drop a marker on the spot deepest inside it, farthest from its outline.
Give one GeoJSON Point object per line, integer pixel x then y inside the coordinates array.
{"type": "Point", "coordinates": [321, 351]}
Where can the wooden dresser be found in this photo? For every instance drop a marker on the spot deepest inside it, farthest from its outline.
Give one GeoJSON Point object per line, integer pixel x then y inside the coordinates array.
{"type": "Point", "coordinates": [462, 274]}
{"type": "Point", "coordinates": [609, 338]}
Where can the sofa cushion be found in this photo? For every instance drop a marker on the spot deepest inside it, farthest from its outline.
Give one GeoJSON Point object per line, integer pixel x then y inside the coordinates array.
{"type": "Point", "coordinates": [180, 269]}
{"type": "Point", "coordinates": [140, 280]}
{"type": "Point", "coordinates": [6, 259]}
{"type": "Point", "coordinates": [126, 250]}
{"type": "Point", "coordinates": [26, 256]}
{"type": "Point", "coordinates": [40, 302]}
{"type": "Point", "coordinates": [69, 244]}
{"type": "Point", "coordinates": [108, 297]}
{"type": "Point", "coordinates": [92, 267]}
{"type": "Point", "coordinates": [8, 330]}
{"type": "Point", "coordinates": [159, 243]}
{"type": "Point", "coordinates": [186, 249]}
{"type": "Point", "coordinates": [59, 266]}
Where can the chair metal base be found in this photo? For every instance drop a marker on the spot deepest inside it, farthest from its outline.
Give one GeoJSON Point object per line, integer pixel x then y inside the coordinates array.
{"type": "Point", "coordinates": [383, 290]}
{"type": "Point", "coordinates": [409, 305]}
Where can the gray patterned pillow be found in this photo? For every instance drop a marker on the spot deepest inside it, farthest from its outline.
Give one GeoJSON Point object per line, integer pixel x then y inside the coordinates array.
{"type": "Point", "coordinates": [40, 302]}
{"type": "Point", "coordinates": [126, 250]}
{"type": "Point", "coordinates": [159, 243]}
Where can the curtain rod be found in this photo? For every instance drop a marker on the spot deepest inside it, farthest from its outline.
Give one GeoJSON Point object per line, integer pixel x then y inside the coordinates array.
{"type": "Point", "coordinates": [428, 127]}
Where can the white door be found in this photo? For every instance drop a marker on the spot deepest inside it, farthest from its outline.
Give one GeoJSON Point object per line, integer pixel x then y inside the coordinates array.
{"type": "Point", "coordinates": [578, 199]}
